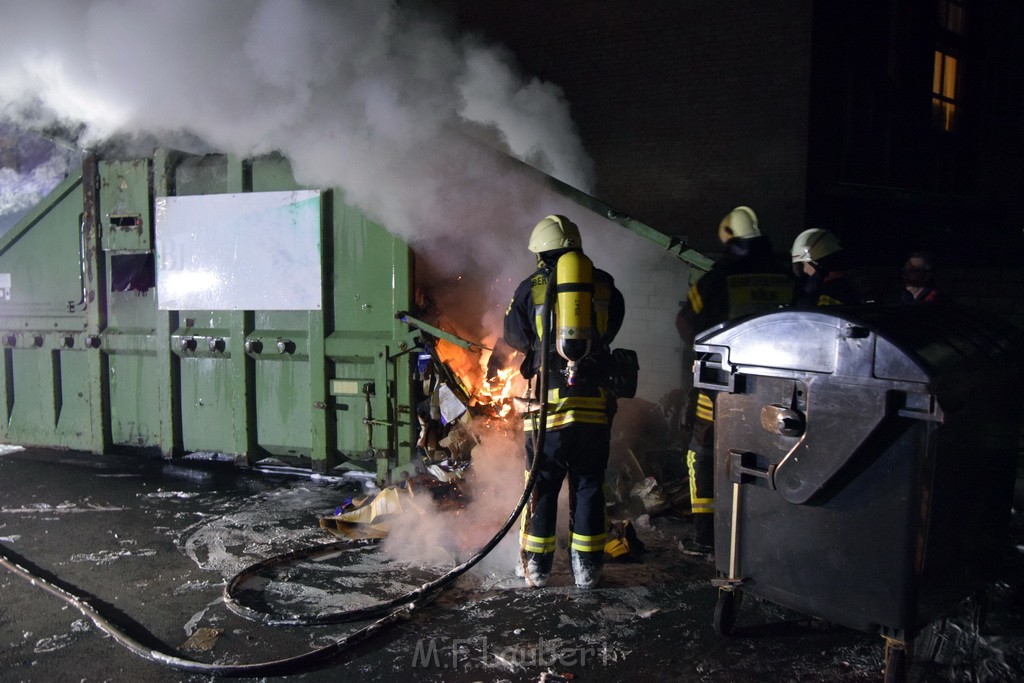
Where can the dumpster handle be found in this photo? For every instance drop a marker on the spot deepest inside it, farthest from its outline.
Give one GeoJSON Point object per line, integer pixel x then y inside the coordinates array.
{"type": "Point", "coordinates": [712, 369]}
{"type": "Point", "coordinates": [734, 531]}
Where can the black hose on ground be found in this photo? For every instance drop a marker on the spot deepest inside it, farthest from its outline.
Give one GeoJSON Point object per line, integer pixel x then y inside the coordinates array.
{"type": "Point", "coordinates": [401, 607]}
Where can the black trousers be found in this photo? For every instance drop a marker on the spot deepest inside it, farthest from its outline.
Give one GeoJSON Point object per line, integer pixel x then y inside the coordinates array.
{"type": "Point", "coordinates": [579, 452]}
{"type": "Point", "coordinates": [700, 462]}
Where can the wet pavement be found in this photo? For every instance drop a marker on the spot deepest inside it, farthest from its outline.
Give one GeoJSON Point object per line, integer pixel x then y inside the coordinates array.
{"type": "Point", "coordinates": [151, 543]}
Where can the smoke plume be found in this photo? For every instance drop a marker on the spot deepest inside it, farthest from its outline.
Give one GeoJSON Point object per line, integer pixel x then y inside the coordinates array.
{"type": "Point", "coordinates": [371, 97]}
{"type": "Point", "coordinates": [382, 99]}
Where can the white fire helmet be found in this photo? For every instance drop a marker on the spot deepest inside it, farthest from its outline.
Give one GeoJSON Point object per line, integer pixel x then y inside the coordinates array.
{"type": "Point", "coordinates": [812, 245]}
{"type": "Point", "coordinates": [555, 232]}
{"type": "Point", "coordinates": [740, 222]}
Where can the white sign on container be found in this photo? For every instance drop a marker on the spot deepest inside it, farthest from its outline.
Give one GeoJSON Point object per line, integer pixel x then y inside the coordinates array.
{"type": "Point", "coordinates": [246, 251]}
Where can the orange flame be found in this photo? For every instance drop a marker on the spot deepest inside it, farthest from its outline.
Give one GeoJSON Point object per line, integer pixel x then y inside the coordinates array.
{"type": "Point", "coordinates": [489, 398]}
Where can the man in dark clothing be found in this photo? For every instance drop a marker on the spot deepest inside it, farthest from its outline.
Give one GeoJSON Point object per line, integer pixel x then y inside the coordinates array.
{"type": "Point", "coordinates": [580, 404]}
{"type": "Point", "coordinates": [918, 280]}
{"type": "Point", "coordinates": [746, 280]}
{"type": "Point", "coordinates": [820, 265]}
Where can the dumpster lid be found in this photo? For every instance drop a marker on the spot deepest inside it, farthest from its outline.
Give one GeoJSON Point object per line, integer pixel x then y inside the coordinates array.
{"type": "Point", "coordinates": [924, 343]}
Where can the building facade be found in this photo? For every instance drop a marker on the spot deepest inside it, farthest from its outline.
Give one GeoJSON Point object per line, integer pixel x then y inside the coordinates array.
{"type": "Point", "coordinates": [895, 123]}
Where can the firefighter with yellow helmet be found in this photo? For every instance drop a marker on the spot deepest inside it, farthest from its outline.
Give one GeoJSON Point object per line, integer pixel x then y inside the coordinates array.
{"type": "Point", "coordinates": [820, 264]}
{"type": "Point", "coordinates": [745, 281]}
{"type": "Point", "coordinates": [588, 313]}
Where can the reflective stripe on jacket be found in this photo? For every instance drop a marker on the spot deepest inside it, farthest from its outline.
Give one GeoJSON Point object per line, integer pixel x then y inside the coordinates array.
{"type": "Point", "coordinates": [565, 409]}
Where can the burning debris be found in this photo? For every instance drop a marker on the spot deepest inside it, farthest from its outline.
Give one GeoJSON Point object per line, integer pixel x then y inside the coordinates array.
{"type": "Point", "coordinates": [469, 458]}
{"type": "Point", "coordinates": [467, 427]}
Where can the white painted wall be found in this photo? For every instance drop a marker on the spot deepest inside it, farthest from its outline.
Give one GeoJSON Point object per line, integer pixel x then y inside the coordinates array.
{"type": "Point", "coordinates": [653, 283]}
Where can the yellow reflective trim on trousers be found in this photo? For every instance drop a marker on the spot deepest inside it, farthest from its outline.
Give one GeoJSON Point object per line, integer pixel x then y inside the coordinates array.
{"type": "Point", "coordinates": [588, 544]}
{"type": "Point", "coordinates": [524, 517]}
{"type": "Point", "coordinates": [826, 300]}
{"type": "Point", "coordinates": [535, 544]}
{"type": "Point", "coordinates": [697, 505]}
{"type": "Point", "coordinates": [705, 407]}
{"type": "Point", "coordinates": [696, 302]}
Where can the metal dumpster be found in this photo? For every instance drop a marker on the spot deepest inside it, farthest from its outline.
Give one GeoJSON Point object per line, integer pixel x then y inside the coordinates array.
{"type": "Point", "coordinates": [864, 460]}
{"type": "Point", "coordinates": [188, 303]}
{"type": "Point", "coordinates": [115, 330]}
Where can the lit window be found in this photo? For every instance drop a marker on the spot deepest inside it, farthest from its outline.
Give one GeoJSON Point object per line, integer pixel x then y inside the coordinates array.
{"type": "Point", "coordinates": [944, 90]}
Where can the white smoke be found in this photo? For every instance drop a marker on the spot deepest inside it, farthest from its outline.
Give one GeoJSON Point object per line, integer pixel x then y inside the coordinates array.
{"type": "Point", "coordinates": [21, 190]}
{"type": "Point", "coordinates": [371, 97]}
{"type": "Point", "coordinates": [363, 95]}
{"type": "Point", "coordinates": [429, 534]}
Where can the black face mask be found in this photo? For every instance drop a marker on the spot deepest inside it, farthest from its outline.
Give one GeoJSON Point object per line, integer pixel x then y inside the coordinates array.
{"type": "Point", "coordinates": [808, 283]}
{"type": "Point", "coordinates": [916, 277]}
{"type": "Point", "coordinates": [812, 283]}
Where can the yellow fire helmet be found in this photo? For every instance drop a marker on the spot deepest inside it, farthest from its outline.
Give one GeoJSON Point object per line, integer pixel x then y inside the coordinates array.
{"type": "Point", "coordinates": [740, 222]}
{"type": "Point", "coordinates": [555, 232]}
{"type": "Point", "coordinates": [812, 245]}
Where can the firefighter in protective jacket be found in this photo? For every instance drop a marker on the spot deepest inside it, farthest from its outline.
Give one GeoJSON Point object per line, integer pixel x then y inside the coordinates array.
{"type": "Point", "coordinates": [820, 264]}
{"type": "Point", "coordinates": [745, 281]}
{"type": "Point", "coordinates": [588, 313]}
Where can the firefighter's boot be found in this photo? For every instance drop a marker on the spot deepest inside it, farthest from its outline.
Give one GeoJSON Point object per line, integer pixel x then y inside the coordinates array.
{"type": "Point", "coordinates": [535, 568]}
{"type": "Point", "coordinates": [586, 567]}
{"type": "Point", "coordinates": [703, 541]}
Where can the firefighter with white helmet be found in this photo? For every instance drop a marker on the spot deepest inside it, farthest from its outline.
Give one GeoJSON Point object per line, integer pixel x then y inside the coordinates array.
{"type": "Point", "coordinates": [589, 311]}
{"type": "Point", "coordinates": [554, 233]}
{"type": "Point", "coordinates": [820, 264]}
{"type": "Point", "coordinates": [814, 244]}
{"type": "Point", "coordinates": [740, 222]}
{"type": "Point", "coordinates": [730, 290]}
{"type": "Point", "coordinates": [747, 280]}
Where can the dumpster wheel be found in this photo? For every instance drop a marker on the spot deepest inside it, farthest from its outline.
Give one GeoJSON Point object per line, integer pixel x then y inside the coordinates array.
{"type": "Point", "coordinates": [725, 610]}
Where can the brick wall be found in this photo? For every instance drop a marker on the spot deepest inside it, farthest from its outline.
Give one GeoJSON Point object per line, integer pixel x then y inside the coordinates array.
{"type": "Point", "coordinates": [652, 300]}
{"type": "Point", "coordinates": [692, 108]}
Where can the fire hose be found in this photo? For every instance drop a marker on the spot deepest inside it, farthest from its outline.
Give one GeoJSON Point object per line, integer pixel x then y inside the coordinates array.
{"type": "Point", "coordinates": [394, 610]}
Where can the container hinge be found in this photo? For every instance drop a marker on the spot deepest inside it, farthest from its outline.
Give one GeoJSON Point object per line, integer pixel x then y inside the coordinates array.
{"type": "Point", "coordinates": [783, 421]}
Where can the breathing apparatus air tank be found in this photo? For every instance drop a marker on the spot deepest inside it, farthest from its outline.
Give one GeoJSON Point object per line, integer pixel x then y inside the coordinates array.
{"type": "Point", "coordinates": [574, 275]}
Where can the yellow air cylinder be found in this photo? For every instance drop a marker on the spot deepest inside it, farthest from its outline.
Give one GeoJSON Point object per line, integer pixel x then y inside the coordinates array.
{"type": "Point", "coordinates": [573, 312]}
